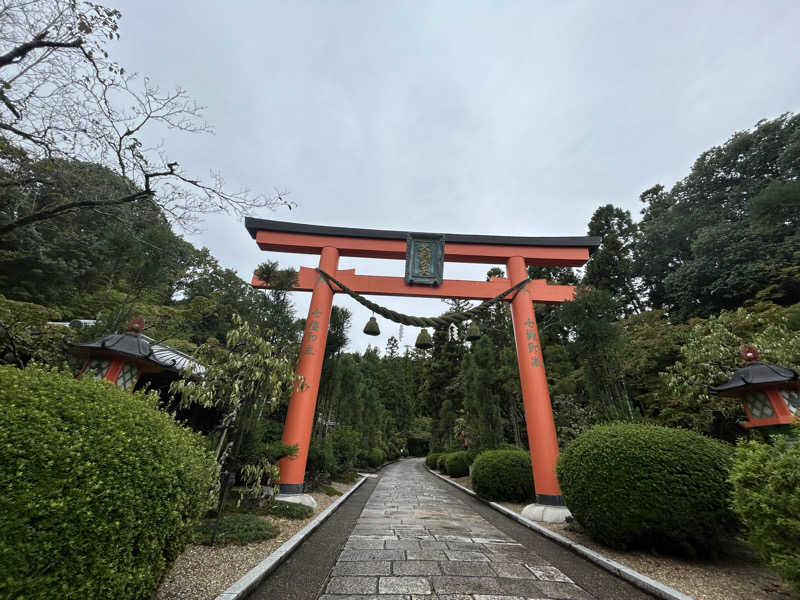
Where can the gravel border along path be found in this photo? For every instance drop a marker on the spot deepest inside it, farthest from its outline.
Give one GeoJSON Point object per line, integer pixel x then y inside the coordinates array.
{"type": "Point", "coordinates": [203, 572]}
{"type": "Point", "coordinates": [738, 576]}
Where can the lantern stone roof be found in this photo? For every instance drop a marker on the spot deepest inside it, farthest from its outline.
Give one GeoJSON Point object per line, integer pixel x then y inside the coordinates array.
{"type": "Point", "coordinates": [756, 374]}
{"type": "Point", "coordinates": [141, 347]}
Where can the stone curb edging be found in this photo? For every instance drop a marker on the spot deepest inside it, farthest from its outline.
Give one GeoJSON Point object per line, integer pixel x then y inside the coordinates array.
{"type": "Point", "coordinates": [643, 582]}
{"type": "Point", "coordinates": [254, 576]}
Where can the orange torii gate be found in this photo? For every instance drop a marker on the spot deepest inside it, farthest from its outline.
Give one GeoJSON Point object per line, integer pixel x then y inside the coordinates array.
{"type": "Point", "coordinates": [516, 253]}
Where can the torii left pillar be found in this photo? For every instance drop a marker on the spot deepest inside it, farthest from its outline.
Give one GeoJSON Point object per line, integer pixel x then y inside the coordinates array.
{"type": "Point", "coordinates": [302, 405]}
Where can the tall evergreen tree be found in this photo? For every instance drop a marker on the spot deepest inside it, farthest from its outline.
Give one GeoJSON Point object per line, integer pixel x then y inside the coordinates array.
{"type": "Point", "coordinates": [598, 346]}
{"type": "Point", "coordinates": [482, 396]}
{"type": "Point", "coordinates": [611, 266]}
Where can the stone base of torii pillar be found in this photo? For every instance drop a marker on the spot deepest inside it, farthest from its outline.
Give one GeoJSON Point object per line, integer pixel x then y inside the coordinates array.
{"type": "Point", "coordinates": [546, 514]}
{"type": "Point", "coordinates": [306, 499]}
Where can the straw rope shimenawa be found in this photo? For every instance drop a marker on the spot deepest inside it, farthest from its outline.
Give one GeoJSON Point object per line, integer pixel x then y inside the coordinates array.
{"type": "Point", "coordinates": [436, 322]}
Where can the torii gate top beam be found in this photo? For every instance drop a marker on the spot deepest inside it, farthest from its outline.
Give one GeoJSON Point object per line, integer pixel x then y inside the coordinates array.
{"type": "Point", "coordinates": [300, 238]}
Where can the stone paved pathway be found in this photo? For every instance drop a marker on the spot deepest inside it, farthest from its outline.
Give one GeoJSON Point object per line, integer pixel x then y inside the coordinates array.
{"type": "Point", "coordinates": [415, 540]}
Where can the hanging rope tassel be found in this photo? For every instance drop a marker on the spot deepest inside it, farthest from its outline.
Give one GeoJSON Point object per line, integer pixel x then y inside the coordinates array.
{"type": "Point", "coordinates": [436, 322]}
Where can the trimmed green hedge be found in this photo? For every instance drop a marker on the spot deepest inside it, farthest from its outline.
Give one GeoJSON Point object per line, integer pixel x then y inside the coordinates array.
{"type": "Point", "coordinates": [503, 475]}
{"type": "Point", "coordinates": [441, 463]}
{"type": "Point", "coordinates": [645, 486]}
{"type": "Point", "coordinates": [766, 496]}
{"type": "Point", "coordinates": [457, 464]}
{"type": "Point", "coordinates": [433, 459]}
{"type": "Point", "coordinates": [376, 457]}
{"type": "Point", "coordinates": [100, 488]}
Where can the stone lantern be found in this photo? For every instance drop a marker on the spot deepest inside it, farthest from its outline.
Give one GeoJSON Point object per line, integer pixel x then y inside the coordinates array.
{"type": "Point", "coordinates": [770, 393]}
{"type": "Point", "coordinates": [128, 358]}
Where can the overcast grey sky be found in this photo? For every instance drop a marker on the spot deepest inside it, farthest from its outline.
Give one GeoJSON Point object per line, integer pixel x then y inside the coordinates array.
{"type": "Point", "coordinates": [464, 117]}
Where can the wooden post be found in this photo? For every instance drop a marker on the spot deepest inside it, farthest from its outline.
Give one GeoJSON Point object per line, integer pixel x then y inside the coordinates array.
{"type": "Point", "coordinates": [535, 395]}
{"type": "Point", "coordinates": [300, 416]}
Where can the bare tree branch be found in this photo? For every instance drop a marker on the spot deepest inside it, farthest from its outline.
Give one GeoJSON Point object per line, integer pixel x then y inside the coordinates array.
{"type": "Point", "coordinates": [39, 41]}
{"type": "Point", "coordinates": [56, 103]}
{"type": "Point", "coordinates": [43, 215]}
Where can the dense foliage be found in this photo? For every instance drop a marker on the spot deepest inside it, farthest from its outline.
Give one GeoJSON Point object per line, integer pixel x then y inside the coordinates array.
{"type": "Point", "coordinates": [503, 475]}
{"type": "Point", "coordinates": [100, 487]}
{"type": "Point", "coordinates": [376, 457]}
{"type": "Point", "coordinates": [651, 487]}
{"type": "Point", "coordinates": [244, 381]}
{"type": "Point", "coordinates": [766, 497]}
{"type": "Point", "coordinates": [726, 233]}
{"type": "Point", "coordinates": [709, 355]}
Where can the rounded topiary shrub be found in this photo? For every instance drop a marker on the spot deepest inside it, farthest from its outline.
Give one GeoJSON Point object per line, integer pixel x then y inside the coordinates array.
{"type": "Point", "coordinates": [766, 496]}
{"type": "Point", "coordinates": [100, 488]}
{"type": "Point", "coordinates": [376, 457]}
{"type": "Point", "coordinates": [433, 459]}
{"type": "Point", "coordinates": [503, 475]}
{"type": "Point", "coordinates": [441, 463]}
{"type": "Point", "coordinates": [457, 464]}
{"type": "Point", "coordinates": [645, 486]}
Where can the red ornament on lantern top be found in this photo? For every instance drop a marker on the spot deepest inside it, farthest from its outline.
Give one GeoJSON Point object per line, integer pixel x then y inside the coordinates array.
{"type": "Point", "coordinates": [136, 325]}
{"type": "Point", "coordinates": [769, 393]}
{"type": "Point", "coordinates": [749, 354]}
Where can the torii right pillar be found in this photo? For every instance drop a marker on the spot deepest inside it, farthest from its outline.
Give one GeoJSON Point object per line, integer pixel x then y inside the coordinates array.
{"type": "Point", "coordinates": [536, 399]}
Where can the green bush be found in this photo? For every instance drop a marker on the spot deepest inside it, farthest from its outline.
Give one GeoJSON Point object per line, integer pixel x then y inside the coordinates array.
{"type": "Point", "coordinates": [646, 486]}
{"type": "Point", "coordinates": [346, 444]}
{"type": "Point", "coordinates": [433, 459]}
{"type": "Point", "coordinates": [290, 510]}
{"type": "Point", "coordinates": [376, 457]}
{"type": "Point", "coordinates": [766, 496]}
{"type": "Point", "coordinates": [441, 463]}
{"type": "Point", "coordinates": [329, 490]}
{"type": "Point", "coordinates": [457, 464]}
{"type": "Point", "coordinates": [321, 459]}
{"type": "Point", "coordinates": [392, 453]}
{"type": "Point", "coordinates": [234, 529]}
{"type": "Point", "coordinates": [503, 475]}
{"type": "Point", "coordinates": [472, 454]}
{"type": "Point", "coordinates": [100, 487]}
